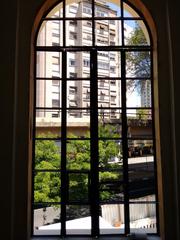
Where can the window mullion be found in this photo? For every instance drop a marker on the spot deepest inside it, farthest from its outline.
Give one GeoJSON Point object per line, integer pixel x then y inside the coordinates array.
{"type": "Point", "coordinates": [125, 143]}
{"type": "Point", "coordinates": [63, 146]}
{"type": "Point", "coordinates": [94, 191]}
{"type": "Point", "coordinates": [93, 23]}
{"type": "Point", "coordinates": [154, 143]}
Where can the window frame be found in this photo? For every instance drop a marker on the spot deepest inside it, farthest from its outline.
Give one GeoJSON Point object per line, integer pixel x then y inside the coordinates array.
{"type": "Point", "coordinates": [96, 76]}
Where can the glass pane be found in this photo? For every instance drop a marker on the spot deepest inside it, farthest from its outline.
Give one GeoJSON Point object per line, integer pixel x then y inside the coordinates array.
{"type": "Point", "coordinates": [48, 65]}
{"type": "Point", "coordinates": [143, 218]}
{"type": "Point", "coordinates": [151, 198]}
{"type": "Point", "coordinates": [109, 94]}
{"type": "Point", "coordinates": [78, 219]}
{"type": "Point", "coordinates": [78, 64]}
{"type": "Point", "coordinates": [78, 154]}
{"type": "Point", "coordinates": [141, 178]}
{"type": "Point", "coordinates": [140, 125]}
{"type": "Point", "coordinates": [48, 123]}
{"type": "Point", "coordinates": [106, 9]}
{"type": "Point", "coordinates": [135, 33]}
{"type": "Point", "coordinates": [78, 187]}
{"type": "Point", "coordinates": [78, 33]}
{"type": "Point", "coordinates": [78, 123]}
{"type": "Point", "coordinates": [46, 219]}
{"type": "Point", "coordinates": [78, 9]}
{"type": "Point", "coordinates": [109, 130]}
{"type": "Point", "coordinates": [109, 64]}
{"type": "Point", "coordinates": [78, 93]}
{"type": "Point", "coordinates": [138, 64]}
{"type": "Point", "coordinates": [50, 33]}
{"type": "Point", "coordinates": [47, 187]}
{"type": "Point", "coordinates": [112, 219]}
{"type": "Point", "coordinates": [47, 153]}
{"type": "Point", "coordinates": [111, 185]}
{"type": "Point", "coordinates": [142, 149]}
{"type": "Point", "coordinates": [128, 11]}
{"type": "Point", "coordinates": [109, 123]}
{"type": "Point", "coordinates": [138, 93]}
{"type": "Point", "coordinates": [56, 12]}
{"type": "Point", "coordinates": [108, 32]}
{"type": "Point", "coordinates": [48, 95]}
{"type": "Point", "coordinates": [110, 155]}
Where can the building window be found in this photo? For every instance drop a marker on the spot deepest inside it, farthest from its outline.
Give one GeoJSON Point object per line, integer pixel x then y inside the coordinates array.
{"type": "Point", "coordinates": [55, 44]}
{"type": "Point", "coordinates": [87, 37]}
{"type": "Point", "coordinates": [72, 62]}
{"type": "Point", "coordinates": [87, 10]}
{"type": "Point", "coordinates": [72, 35]}
{"type": "Point", "coordinates": [100, 13]}
{"type": "Point", "coordinates": [112, 57]}
{"type": "Point", "coordinates": [55, 82]}
{"type": "Point", "coordinates": [73, 22]}
{"type": "Point", "coordinates": [72, 90]}
{"type": "Point", "coordinates": [72, 104]}
{"type": "Point", "coordinates": [103, 65]}
{"type": "Point", "coordinates": [112, 69]}
{"type": "Point", "coordinates": [113, 82]}
{"type": "Point", "coordinates": [112, 43]}
{"type": "Point", "coordinates": [93, 157]}
{"type": "Point", "coordinates": [72, 75]}
{"type": "Point", "coordinates": [55, 103]}
{"type": "Point", "coordinates": [87, 23]}
{"type": "Point", "coordinates": [72, 9]}
{"type": "Point", "coordinates": [112, 22]}
{"type": "Point", "coordinates": [113, 98]}
{"type": "Point", "coordinates": [86, 62]}
{"type": "Point", "coordinates": [57, 35]}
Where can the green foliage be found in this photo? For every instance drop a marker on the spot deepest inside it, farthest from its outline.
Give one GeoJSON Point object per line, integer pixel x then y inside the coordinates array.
{"type": "Point", "coordinates": [138, 62]}
{"type": "Point", "coordinates": [47, 151]}
{"type": "Point", "coordinates": [78, 154]}
{"type": "Point", "coordinates": [143, 114]}
{"type": "Point", "coordinates": [47, 157]}
{"type": "Point", "coordinates": [137, 37]}
{"type": "Point", "coordinates": [47, 184]}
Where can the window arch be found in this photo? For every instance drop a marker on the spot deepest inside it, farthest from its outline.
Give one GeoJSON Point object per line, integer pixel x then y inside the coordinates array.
{"type": "Point", "coordinates": [94, 164]}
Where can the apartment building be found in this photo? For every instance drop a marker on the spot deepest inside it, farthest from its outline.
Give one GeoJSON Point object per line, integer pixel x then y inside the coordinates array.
{"type": "Point", "coordinates": [146, 94]}
{"type": "Point", "coordinates": [79, 33]}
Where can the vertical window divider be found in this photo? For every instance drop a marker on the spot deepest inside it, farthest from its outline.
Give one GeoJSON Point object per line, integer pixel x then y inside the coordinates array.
{"type": "Point", "coordinates": [154, 140]}
{"type": "Point", "coordinates": [94, 188]}
{"type": "Point", "coordinates": [125, 143]}
{"type": "Point", "coordinates": [122, 23]}
{"type": "Point", "coordinates": [64, 23]}
{"type": "Point", "coordinates": [63, 146]}
{"type": "Point", "coordinates": [34, 142]}
{"type": "Point", "coordinates": [93, 24]}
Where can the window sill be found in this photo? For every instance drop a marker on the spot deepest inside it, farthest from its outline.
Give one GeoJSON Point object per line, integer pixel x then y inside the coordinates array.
{"type": "Point", "coordinates": [90, 238]}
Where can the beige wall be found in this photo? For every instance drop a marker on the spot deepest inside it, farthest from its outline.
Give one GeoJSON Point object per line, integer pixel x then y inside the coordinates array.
{"type": "Point", "coordinates": [17, 17]}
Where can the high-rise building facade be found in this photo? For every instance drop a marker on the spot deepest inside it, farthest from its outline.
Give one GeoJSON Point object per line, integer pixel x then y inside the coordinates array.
{"type": "Point", "coordinates": [146, 94]}
{"type": "Point", "coordinates": [79, 33]}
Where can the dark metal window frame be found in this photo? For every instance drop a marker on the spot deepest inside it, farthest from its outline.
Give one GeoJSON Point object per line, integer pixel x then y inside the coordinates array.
{"type": "Point", "coordinates": [93, 174]}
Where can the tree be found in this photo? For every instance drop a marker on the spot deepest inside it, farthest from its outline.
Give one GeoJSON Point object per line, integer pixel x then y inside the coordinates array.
{"type": "Point", "coordinates": [47, 183]}
{"type": "Point", "coordinates": [47, 151]}
{"type": "Point", "coordinates": [138, 62]}
{"type": "Point", "coordinates": [143, 114]}
{"type": "Point", "coordinates": [47, 157]}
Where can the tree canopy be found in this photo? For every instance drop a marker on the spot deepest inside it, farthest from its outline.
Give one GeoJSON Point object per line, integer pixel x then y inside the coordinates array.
{"type": "Point", "coordinates": [47, 184]}
{"type": "Point", "coordinates": [138, 62]}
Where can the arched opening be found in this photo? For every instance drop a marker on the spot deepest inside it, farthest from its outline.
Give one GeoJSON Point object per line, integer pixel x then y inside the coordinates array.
{"type": "Point", "coordinates": [94, 158]}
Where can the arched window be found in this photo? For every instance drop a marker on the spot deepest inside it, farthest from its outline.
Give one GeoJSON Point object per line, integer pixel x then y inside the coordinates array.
{"type": "Point", "coordinates": [94, 164]}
